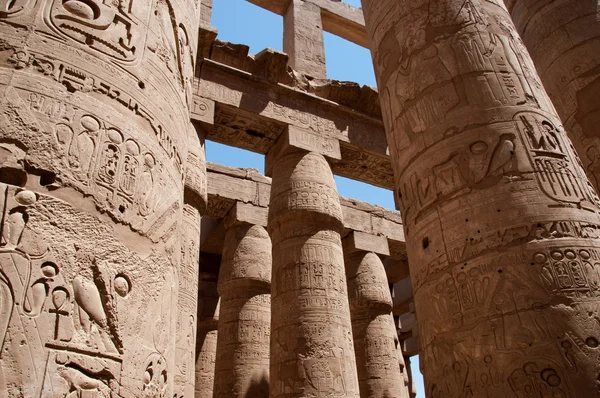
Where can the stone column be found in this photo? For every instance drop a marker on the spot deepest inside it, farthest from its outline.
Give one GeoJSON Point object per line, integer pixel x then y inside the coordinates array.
{"type": "Point", "coordinates": [94, 122]}
{"type": "Point", "coordinates": [303, 38]}
{"type": "Point", "coordinates": [563, 38]}
{"type": "Point", "coordinates": [311, 344]}
{"type": "Point", "coordinates": [206, 341]}
{"type": "Point", "coordinates": [500, 220]}
{"type": "Point", "coordinates": [194, 205]}
{"type": "Point", "coordinates": [375, 337]}
{"type": "Point", "coordinates": [242, 365]}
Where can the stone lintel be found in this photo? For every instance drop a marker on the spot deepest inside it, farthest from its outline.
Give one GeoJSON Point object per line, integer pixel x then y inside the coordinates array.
{"type": "Point", "coordinates": [402, 295]}
{"type": "Point", "coordinates": [407, 322]}
{"type": "Point", "coordinates": [206, 38]}
{"type": "Point", "coordinates": [228, 185]}
{"type": "Point", "coordinates": [339, 18]}
{"type": "Point", "coordinates": [410, 347]}
{"type": "Point", "coordinates": [298, 138]}
{"type": "Point", "coordinates": [246, 213]}
{"type": "Point", "coordinates": [360, 241]}
{"type": "Point", "coordinates": [251, 113]}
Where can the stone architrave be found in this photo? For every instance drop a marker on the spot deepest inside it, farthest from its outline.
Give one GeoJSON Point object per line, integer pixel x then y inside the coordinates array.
{"type": "Point", "coordinates": [206, 340]}
{"type": "Point", "coordinates": [242, 363]}
{"type": "Point", "coordinates": [94, 116]}
{"type": "Point", "coordinates": [563, 38]}
{"type": "Point", "coordinates": [379, 361]}
{"type": "Point", "coordinates": [312, 350]}
{"type": "Point", "coordinates": [501, 222]}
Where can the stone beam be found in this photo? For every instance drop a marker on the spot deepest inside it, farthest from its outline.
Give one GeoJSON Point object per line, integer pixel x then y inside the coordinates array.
{"type": "Point", "coordinates": [251, 112]}
{"type": "Point", "coordinates": [228, 186]}
{"type": "Point", "coordinates": [303, 39]}
{"type": "Point", "coordinates": [338, 18]}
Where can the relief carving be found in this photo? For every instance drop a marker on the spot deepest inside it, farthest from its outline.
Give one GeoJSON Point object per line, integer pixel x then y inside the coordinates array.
{"type": "Point", "coordinates": [114, 29]}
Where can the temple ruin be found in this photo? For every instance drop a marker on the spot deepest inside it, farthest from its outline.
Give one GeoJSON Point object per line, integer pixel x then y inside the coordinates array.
{"type": "Point", "coordinates": [131, 267]}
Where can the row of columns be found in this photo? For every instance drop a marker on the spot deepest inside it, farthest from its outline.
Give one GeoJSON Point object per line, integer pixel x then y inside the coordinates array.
{"type": "Point", "coordinates": [296, 302]}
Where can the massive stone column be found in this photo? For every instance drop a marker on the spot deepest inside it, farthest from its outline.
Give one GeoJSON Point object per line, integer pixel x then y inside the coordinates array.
{"type": "Point", "coordinates": [311, 334]}
{"type": "Point", "coordinates": [563, 38]}
{"type": "Point", "coordinates": [94, 123]}
{"type": "Point", "coordinates": [501, 222]}
{"type": "Point", "coordinates": [194, 205]}
{"type": "Point", "coordinates": [206, 341]}
{"type": "Point", "coordinates": [242, 363]}
{"type": "Point", "coordinates": [375, 338]}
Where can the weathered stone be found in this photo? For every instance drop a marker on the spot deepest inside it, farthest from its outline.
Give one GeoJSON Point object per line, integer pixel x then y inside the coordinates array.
{"type": "Point", "coordinates": [311, 351]}
{"type": "Point", "coordinates": [303, 38]}
{"type": "Point", "coordinates": [376, 342]}
{"type": "Point", "coordinates": [97, 287]}
{"type": "Point", "coordinates": [495, 203]}
{"type": "Point", "coordinates": [563, 38]}
{"type": "Point", "coordinates": [242, 365]}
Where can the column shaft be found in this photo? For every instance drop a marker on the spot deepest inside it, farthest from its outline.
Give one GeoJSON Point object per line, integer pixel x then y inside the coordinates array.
{"type": "Point", "coordinates": [242, 366]}
{"type": "Point", "coordinates": [495, 203]}
{"type": "Point", "coordinates": [205, 363]}
{"type": "Point", "coordinates": [94, 117]}
{"type": "Point", "coordinates": [206, 341]}
{"type": "Point", "coordinates": [375, 338]}
{"type": "Point", "coordinates": [563, 38]}
{"type": "Point", "coordinates": [311, 345]}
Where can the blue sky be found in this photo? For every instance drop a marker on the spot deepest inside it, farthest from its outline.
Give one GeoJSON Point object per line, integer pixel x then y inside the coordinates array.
{"type": "Point", "coordinates": [241, 22]}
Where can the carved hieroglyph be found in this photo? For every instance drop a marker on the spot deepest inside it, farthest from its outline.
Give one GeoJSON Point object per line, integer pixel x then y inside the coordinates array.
{"type": "Point", "coordinates": [501, 221]}
{"type": "Point", "coordinates": [563, 38]}
{"type": "Point", "coordinates": [312, 351]}
{"type": "Point", "coordinates": [242, 363]}
{"type": "Point", "coordinates": [378, 358]}
{"type": "Point", "coordinates": [94, 124]}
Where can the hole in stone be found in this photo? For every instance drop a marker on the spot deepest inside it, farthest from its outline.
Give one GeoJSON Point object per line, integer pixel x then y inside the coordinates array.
{"type": "Point", "coordinates": [531, 263]}
{"type": "Point", "coordinates": [141, 84]}
{"type": "Point", "coordinates": [466, 220]}
{"type": "Point", "coordinates": [499, 271]}
{"type": "Point", "coordinates": [498, 210]}
{"type": "Point", "coordinates": [13, 176]}
{"type": "Point", "coordinates": [539, 225]}
{"type": "Point", "coordinates": [425, 242]}
{"type": "Point", "coordinates": [122, 209]}
{"type": "Point", "coordinates": [592, 342]}
{"type": "Point", "coordinates": [47, 178]}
